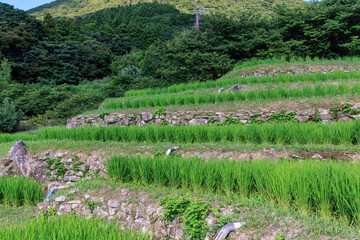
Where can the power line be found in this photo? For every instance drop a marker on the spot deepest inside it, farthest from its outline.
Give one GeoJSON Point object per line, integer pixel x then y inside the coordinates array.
{"type": "Point", "coordinates": [199, 10]}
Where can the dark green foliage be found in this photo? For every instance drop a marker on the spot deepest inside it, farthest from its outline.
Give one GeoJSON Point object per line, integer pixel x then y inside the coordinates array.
{"type": "Point", "coordinates": [230, 120]}
{"type": "Point", "coordinates": [10, 117]}
{"type": "Point", "coordinates": [188, 57]}
{"type": "Point", "coordinates": [18, 30]}
{"type": "Point", "coordinates": [49, 212]}
{"type": "Point", "coordinates": [194, 219]}
{"type": "Point", "coordinates": [91, 204]}
{"type": "Point", "coordinates": [173, 206]}
{"type": "Point", "coordinates": [143, 23]}
{"type": "Point", "coordinates": [191, 211]}
{"type": "Point", "coordinates": [59, 167]}
{"type": "Point", "coordinates": [160, 111]}
{"type": "Point", "coordinates": [282, 117]}
{"type": "Point", "coordinates": [151, 45]}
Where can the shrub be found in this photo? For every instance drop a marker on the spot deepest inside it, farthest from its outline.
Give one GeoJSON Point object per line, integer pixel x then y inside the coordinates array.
{"type": "Point", "coordinates": [10, 117]}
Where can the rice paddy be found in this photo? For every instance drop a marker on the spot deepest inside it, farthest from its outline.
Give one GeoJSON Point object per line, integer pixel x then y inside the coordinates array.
{"type": "Point", "coordinates": [228, 82]}
{"type": "Point", "coordinates": [326, 188]}
{"type": "Point", "coordinates": [256, 62]}
{"type": "Point", "coordinates": [337, 133]}
{"type": "Point", "coordinates": [20, 191]}
{"type": "Point", "coordinates": [67, 227]}
{"type": "Point", "coordinates": [278, 93]}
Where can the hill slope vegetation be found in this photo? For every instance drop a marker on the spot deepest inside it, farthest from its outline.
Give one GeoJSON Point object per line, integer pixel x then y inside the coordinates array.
{"type": "Point", "coordinates": [74, 8]}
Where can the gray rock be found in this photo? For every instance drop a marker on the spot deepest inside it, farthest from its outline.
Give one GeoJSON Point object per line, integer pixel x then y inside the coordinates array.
{"type": "Point", "coordinates": [24, 162]}
{"type": "Point", "coordinates": [111, 118]}
{"type": "Point", "coordinates": [71, 178]}
{"type": "Point", "coordinates": [70, 173]}
{"type": "Point", "coordinates": [61, 199]}
{"type": "Point", "coordinates": [112, 211]}
{"type": "Point", "coordinates": [125, 122]}
{"type": "Point", "coordinates": [146, 116]}
{"type": "Point", "coordinates": [301, 118]}
{"type": "Point", "coordinates": [198, 121]}
{"type": "Point", "coordinates": [355, 116]}
{"type": "Point", "coordinates": [327, 118]}
{"type": "Point", "coordinates": [121, 215]}
{"type": "Point", "coordinates": [74, 191]}
{"type": "Point", "coordinates": [317, 156]}
{"type": "Point", "coordinates": [74, 202]}
{"type": "Point", "coordinates": [102, 213]}
{"type": "Point", "coordinates": [8, 171]}
{"type": "Point", "coordinates": [113, 204]}
{"type": "Point", "coordinates": [235, 88]}
{"type": "Point", "coordinates": [141, 123]}
{"type": "Point", "coordinates": [74, 206]}
{"type": "Point", "coordinates": [64, 209]}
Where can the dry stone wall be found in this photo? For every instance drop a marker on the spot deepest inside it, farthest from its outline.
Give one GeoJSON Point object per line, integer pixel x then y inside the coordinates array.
{"type": "Point", "coordinates": [208, 117]}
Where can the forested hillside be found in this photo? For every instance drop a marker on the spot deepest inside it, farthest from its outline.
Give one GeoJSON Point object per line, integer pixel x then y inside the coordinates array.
{"type": "Point", "coordinates": [74, 8]}
{"type": "Point", "coordinates": [55, 68]}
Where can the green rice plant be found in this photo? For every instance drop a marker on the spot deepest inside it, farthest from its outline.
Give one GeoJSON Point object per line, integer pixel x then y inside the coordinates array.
{"type": "Point", "coordinates": [345, 133]}
{"type": "Point", "coordinates": [278, 93]}
{"type": "Point", "coordinates": [20, 191]}
{"type": "Point", "coordinates": [227, 82]}
{"type": "Point", "coordinates": [67, 227]}
{"type": "Point", "coordinates": [330, 189]}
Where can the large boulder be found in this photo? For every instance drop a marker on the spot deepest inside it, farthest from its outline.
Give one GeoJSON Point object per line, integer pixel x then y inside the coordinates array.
{"type": "Point", "coordinates": [22, 163]}
{"type": "Point", "coordinates": [235, 88]}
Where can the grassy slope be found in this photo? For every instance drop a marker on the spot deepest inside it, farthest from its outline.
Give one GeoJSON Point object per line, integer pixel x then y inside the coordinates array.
{"type": "Point", "coordinates": [73, 8]}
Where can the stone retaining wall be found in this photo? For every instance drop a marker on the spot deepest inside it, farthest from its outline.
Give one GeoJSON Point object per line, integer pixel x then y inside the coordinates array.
{"type": "Point", "coordinates": [204, 117]}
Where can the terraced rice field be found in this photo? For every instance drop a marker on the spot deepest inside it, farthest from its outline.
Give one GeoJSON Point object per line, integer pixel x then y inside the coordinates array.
{"type": "Point", "coordinates": [320, 188]}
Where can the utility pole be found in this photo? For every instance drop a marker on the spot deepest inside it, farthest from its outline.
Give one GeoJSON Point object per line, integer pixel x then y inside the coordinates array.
{"type": "Point", "coordinates": [199, 10]}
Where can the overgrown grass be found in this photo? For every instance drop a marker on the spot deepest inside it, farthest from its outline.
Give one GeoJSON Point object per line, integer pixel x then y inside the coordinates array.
{"type": "Point", "coordinates": [327, 188]}
{"type": "Point", "coordinates": [67, 227]}
{"type": "Point", "coordinates": [20, 191]}
{"type": "Point", "coordinates": [228, 82]}
{"type": "Point", "coordinates": [337, 133]}
{"type": "Point", "coordinates": [278, 93]}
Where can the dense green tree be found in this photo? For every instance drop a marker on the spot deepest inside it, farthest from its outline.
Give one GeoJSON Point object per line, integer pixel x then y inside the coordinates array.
{"type": "Point", "coordinates": [18, 30]}
{"type": "Point", "coordinates": [188, 57]}
{"type": "Point", "coordinates": [10, 117]}
{"type": "Point", "coordinates": [5, 73]}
